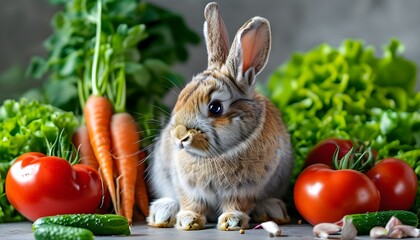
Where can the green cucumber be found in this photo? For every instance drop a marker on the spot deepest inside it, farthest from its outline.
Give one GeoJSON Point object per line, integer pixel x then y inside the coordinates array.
{"type": "Point", "coordinates": [99, 224]}
{"type": "Point", "coordinates": [57, 232]}
{"type": "Point", "coordinates": [366, 221]}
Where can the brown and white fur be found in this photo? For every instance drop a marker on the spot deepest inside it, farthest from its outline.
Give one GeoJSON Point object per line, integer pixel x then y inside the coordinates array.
{"type": "Point", "coordinates": [225, 150]}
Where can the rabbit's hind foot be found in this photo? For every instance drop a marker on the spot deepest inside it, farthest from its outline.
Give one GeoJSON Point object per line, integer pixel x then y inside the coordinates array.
{"type": "Point", "coordinates": [271, 209]}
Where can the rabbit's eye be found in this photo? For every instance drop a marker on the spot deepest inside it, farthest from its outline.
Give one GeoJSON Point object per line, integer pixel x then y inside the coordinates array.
{"type": "Point", "coordinates": [215, 108]}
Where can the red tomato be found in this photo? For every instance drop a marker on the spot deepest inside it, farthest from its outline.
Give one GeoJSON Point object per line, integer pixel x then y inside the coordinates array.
{"type": "Point", "coordinates": [322, 194]}
{"type": "Point", "coordinates": [323, 151]}
{"type": "Point", "coordinates": [39, 185]}
{"type": "Point", "coordinates": [397, 183]}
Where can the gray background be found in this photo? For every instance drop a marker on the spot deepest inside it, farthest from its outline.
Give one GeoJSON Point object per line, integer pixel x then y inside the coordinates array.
{"type": "Point", "coordinates": [297, 25]}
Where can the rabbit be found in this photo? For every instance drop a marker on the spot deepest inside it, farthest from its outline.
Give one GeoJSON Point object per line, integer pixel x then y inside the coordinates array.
{"type": "Point", "coordinates": [225, 151]}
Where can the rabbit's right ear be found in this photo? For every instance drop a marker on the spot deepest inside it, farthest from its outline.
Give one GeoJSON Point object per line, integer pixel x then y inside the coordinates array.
{"type": "Point", "coordinates": [216, 36]}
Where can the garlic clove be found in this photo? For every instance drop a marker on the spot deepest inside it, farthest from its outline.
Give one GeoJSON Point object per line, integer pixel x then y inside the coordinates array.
{"type": "Point", "coordinates": [393, 221]}
{"type": "Point", "coordinates": [396, 233]}
{"type": "Point", "coordinates": [323, 230]}
{"type": "Point", "coordinates": [271, 227]}
{"type": "Point", "coordinates": [348, 231]}
{"type": "Point", "coordinates": [408, 231]}
{"type": "Point", "coordinates": [378, 232]}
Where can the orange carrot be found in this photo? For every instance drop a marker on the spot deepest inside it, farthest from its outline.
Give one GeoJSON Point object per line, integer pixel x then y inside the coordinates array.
{"type": "Point", "coordinates": [126, 146]}
{"type": "Point", "coordinates": [98, 112]}
{"type": "Point", "coordinates": [82, 143]}
{"type": "Point", "coordinates": [141, 195]}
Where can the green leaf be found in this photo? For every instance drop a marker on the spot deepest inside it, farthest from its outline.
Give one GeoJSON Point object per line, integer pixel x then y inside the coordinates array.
{"type": "Point", "coordinates": [72, 63]}
{"type": "Point", "coordinates": [396, 71]}
{"type": "Point", "coordinates": [60, 93]}
{"type": "Point", "coordinates": [135, 35]}
{"type": "Point", "coordinates": [139, 73]}
{"type": "Point", "coordinates": [37, 67]}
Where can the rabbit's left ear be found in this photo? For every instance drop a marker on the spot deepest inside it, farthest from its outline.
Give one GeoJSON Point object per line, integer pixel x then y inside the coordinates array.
{"type": "Point", "coordinates": [250, 50]}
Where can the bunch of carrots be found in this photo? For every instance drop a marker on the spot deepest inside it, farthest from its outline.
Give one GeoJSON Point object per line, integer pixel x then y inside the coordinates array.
{"type": "Point", "coordinates": [110, 141]}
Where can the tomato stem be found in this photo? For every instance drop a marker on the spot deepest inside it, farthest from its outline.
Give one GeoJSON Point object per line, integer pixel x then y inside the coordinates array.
{"type": "Point", "coordinates": [360, 160]}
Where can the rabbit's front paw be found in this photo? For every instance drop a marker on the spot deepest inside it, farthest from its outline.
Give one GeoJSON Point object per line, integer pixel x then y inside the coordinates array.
{"type": "Point", "coordinates": [189, 220]}
{"type": "Point", "coordinates": [162, 213]}
{"type": "Point", "coordinates": [233, 220]}
{"type": "Point", "coordinates": [271, 209]}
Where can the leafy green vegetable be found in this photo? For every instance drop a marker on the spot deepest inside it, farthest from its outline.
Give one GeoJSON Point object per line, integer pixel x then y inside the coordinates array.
{"type": "Point", "coordinates": [138, 37]}
{"type": "Point", "coordinates": [28, 126]}
{"type": "Point", "coordinates": [350, 93]}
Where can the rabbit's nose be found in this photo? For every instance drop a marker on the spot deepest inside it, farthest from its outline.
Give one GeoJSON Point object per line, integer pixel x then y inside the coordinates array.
{"type": "Point", "coordinates": [179, 132]}
{"type": "Point", "coordinates": [182, 135]}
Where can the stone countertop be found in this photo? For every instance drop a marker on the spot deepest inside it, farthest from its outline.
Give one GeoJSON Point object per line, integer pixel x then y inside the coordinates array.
{"type": "Point", "coordinates": [23, 231]}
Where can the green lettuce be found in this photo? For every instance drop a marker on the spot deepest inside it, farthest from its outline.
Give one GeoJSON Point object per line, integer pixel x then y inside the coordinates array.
{"type": "Point", "coordinates": [350, 93]}
{"type": "Point", "coordinates": [28, 126]}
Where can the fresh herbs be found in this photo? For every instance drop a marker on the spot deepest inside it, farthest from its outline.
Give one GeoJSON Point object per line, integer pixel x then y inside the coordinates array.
{"type": "Point", "coordinates": [350, 93]}
{"type": "Point", "coordinates": [139, 41]}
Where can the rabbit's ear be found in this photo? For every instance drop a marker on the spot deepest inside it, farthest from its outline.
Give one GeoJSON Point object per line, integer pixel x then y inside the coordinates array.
{"type": "Point", "coordinates": [250, 51]}
{"type": "Point", "coordinates": [216, 36]}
